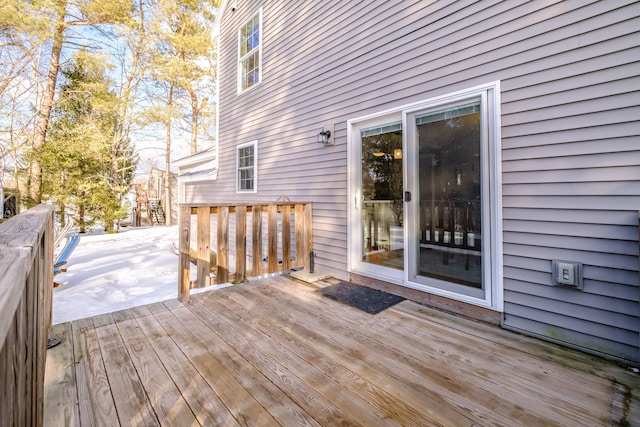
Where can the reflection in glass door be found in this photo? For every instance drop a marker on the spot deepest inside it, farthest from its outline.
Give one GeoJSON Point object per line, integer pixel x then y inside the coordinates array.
{"type": "Point", "coordinates": [382, 236]}
{"type": "Point", "coordinates": [448, 236]}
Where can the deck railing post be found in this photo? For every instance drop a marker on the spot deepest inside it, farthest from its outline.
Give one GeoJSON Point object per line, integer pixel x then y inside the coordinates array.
{"type": "Point", "coordinates": [286, 237]}
{"type": "Point", "coordinates": [184, 241]}
{"type": "Point", "coordinates": [308, 235]}
{"type": "Point", "coordinates": [300, 238]}
{"type": "Point", "coordinates": [44, 285]}
{"type": "Point", "coordinates": [256, 241]}
{"type": "Point", "coordinates": [204, 246]}
{"type": "Point", "coordinates": [241, 243]}
{"type": "Point", "coordinates": [222, 271]}
{"type": "Point", "coordinates": [272, 239]}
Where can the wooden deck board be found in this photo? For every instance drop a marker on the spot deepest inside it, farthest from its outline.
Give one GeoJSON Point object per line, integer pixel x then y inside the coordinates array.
{"type": "Point", "coordinates": [95, 401]}
{"type": "Point", "coordinates": [305, 344]}
{"type": "Point", "coordinates": [235, 358]}
{"type": "Point", "coordinates": [347, 337]}
{"type": "Point", "coordinates": [312, 390]}
{"type": "Point", "coordinates": [275, 352]}
{"type": "Point", "coordinates": [131, 400]}
{"type": "Point", "coordinates": [192, 338]}
{"type": "Point", "coordinates": [165, 398]}
{"type": "Point", "coordinates": [454, 365]}
{"type": "Point", "coordinates": [61, 396]}
{"type": "Point", "coordinates": [209, 409]}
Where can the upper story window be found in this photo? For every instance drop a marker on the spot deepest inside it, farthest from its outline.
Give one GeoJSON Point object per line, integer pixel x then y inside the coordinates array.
{"type": "Point", "coordinates": [250, 52]}
{"type": "Point", "coordinates": [247, 167]}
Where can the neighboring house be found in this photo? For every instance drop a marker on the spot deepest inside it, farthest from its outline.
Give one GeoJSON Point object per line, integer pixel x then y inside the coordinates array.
{"type": "Point", "coordinates": [199, 168]}
{"type": "Point", "coordinates": [482, 157]}
{"type": "Point", "coordinates": [8, 203]}
{"type": "Point", "coordinates": [9, 197]}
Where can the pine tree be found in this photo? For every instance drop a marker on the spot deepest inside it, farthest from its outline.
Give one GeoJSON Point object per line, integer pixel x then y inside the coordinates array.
{"type": "Point", "coordinates": [77, 157]}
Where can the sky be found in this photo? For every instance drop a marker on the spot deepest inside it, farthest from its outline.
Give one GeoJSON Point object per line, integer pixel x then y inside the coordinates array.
{"type": "Point", "coordinates": [111, 272]}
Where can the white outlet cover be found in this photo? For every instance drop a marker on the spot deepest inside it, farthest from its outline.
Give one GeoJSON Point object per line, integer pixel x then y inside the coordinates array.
{"type": "Point", "coordinates": [566, 274]}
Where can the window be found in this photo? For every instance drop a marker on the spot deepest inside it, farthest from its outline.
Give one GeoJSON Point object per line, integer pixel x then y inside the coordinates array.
{"type": "Point", "coordinates": [247, 167]}
{"type": "Point", "coordinates": [250, 52]}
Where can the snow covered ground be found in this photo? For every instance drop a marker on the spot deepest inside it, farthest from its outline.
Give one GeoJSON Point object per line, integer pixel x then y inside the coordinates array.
{"type": "Point", "coordinates": [111, 272]}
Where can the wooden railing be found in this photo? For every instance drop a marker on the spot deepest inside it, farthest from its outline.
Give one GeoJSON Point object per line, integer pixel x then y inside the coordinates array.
{"type": "Point", "coordinates": [378, 219]}
{"type": "Point", "coordinates": [26, 290]}
{"type": "Point", "coordinates": [290, 220]}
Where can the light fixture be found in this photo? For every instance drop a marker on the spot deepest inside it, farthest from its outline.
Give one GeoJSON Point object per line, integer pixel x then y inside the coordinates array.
{"type": "Point", "coordinates": [323, 137]}
{"type": "Point", "coordinates": [397, 153]}
{"type": "Point", "coordinates": [378, 153]}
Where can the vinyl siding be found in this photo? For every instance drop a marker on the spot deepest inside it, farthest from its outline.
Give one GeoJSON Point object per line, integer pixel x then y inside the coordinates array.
{"type": "Point", "coordinates": [569, 126]}
{"type": "Point", "coordinates": [571, 187]}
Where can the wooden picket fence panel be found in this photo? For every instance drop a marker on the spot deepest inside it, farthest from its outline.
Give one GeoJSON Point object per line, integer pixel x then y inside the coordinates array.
{"type": "Point", "coordinates": [279, 256]}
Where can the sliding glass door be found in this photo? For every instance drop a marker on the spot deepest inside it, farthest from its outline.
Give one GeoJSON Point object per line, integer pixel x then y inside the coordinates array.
{"type": "Point", "coordinates": [447, 231]}
{"type": "Point", "coordinates": [450, 244]}
{"type": "Point", "coordinates": [426, 197]}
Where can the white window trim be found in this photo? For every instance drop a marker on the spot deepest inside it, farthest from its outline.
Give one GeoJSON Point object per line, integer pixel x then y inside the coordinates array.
{"type": "Point", "coordinates": [255, 167]}
{"type": "Point", "coordinates": [240, 57]}
{"type": "Point", "coordinates": [491, 93]}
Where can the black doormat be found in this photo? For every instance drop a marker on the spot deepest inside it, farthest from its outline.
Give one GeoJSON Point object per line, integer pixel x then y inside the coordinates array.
{"type": "Point", "coordinates": [366, 299]}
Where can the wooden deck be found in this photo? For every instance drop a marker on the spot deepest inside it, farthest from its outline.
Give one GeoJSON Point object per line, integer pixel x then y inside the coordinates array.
{"type": "Point", "coordinates": [274, 352]}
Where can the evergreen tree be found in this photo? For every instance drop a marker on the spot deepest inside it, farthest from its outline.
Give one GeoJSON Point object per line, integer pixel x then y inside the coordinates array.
{"type": "Point", "coordinates": [77, 157]}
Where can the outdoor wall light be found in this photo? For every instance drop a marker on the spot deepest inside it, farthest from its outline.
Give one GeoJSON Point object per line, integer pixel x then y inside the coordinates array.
{"type": "Point", "coordinates": [323, 137]}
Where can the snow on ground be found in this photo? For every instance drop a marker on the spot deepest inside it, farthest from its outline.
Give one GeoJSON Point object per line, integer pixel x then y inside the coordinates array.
{"type": "Point", "coordinates": [111, 272]}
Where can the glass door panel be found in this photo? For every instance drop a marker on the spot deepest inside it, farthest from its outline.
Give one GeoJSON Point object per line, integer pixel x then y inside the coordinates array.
{"type": "Point", "coordinates": [448, 247]}
{"type": "Point", "coordinates": [381, 200]}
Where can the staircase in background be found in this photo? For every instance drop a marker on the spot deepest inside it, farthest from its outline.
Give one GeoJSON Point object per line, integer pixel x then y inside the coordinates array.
{"type": "Point", "coordinates": [156, 213]}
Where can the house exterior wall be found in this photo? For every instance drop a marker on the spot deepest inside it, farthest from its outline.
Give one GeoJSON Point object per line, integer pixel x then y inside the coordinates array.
{"type": "Point", "coordinates": [570, 131]}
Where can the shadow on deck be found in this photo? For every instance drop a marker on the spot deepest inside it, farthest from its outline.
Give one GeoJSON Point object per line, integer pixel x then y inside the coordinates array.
{"type": "Point", "coordinates": [274, 352]}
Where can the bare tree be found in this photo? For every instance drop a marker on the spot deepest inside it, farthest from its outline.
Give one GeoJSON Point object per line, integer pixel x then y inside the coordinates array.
{"type": "Point", "coordinates": [19, 89]}
{"type": "Point", "coordinates": [49, 22]}
{"type": "Point", "coordinates": [181, 49]}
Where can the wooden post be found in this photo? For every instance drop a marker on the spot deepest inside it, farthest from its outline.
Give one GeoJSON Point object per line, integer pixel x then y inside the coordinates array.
{"type": "Point", "coordinates": [272, 226]}
{"type": "Point", "coordinates": [241, 243]}
{"type": "Point", "coordinates": [256, 238]}
{"type": "Point", "coordinates": [222, 272]}
{"type": "Point", "coordinates": [286, 237]}
{"type": "Point", "coordinates": [300, 239]}
{"type": "Point", "coordinates": [308, 235]}
{"type": "Point", "coordinates": [204, 246]}
{"type": "Point", "coordinates": [184, 241]}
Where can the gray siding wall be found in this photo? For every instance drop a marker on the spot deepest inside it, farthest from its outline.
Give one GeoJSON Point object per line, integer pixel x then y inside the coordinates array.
{"type": "Point", "coordinates": [570, 132]}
